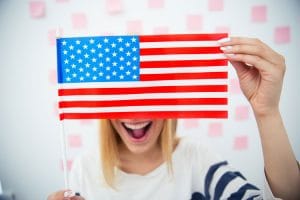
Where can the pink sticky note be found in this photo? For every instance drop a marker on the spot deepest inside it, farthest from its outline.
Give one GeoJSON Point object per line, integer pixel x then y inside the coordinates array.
{"type": "Point", "coordinates": [37, 9]}
{"type": "Point", "coordinates": [74, 140]}
{"type": "Point", "coordinates": [79, 20]}
{"type": "Point", "coordinates": [282, 35]}
{"type": "Point", "coordinates": [240, 143]}
{"type": "Point", "coordinates": [52, 36]}
{"type": "Point", "coordinates": [135, 27]}
{"type": "Point", "coordinates": [259, 13]}
{"type": "Point", "coordinates": [52, 76]}
{"type": "Point", "coordinates": [194, 22]}
{"type": "Point", "coordinates": [242, 113]}
{"type": "Point", "coordinates": [215, 129]}
{"type": "Point", "coordinates": [155, 3]}
{"type": "Point", "coordinates": [190, 123]}
{"type": "Point", "coordinates": [215, 5]}
{"type": "Point", "coordinates": [69, 165]}
{"type": "Point", "coordinates": [114, 6]}
{"type": "Point", "coordinates": [222, 29]}
{"type": "Point", "coordinates": [161, 30]}
{"type": "Point", "coordinates": [234, 86]}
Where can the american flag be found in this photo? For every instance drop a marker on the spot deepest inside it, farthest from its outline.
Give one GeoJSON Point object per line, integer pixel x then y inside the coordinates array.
{"type": "Point", "coordinates": [148, 76]}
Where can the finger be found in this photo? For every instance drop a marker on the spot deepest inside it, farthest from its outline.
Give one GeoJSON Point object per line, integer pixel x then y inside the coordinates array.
{"type": "Point", "coordinates": [239, 40]}
{"type": "Point", "coordinates": [256, 50]}
{"type": "Point", "coordinates": [258, 62]}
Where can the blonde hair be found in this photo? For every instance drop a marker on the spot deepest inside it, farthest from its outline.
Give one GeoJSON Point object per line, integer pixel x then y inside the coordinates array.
{"type": "Point", "coordinates": [109, 152]}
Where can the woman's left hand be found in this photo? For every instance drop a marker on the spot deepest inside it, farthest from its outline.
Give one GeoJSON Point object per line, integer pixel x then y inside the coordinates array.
{"type": "Point", "coordinates": [260, 71]}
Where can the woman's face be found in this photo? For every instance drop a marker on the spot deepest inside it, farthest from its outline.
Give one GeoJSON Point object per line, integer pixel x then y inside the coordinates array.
{"type": "Point", "coordinates": [139, 135]}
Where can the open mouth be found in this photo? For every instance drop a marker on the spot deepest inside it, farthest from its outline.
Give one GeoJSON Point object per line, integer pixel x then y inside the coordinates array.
{"type": "Point", "coordinates": [137, 130]}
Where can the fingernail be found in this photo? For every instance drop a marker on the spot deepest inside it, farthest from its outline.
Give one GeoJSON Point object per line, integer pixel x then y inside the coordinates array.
{"type": "Point", "coordinates": [250, 65]}
{"type": "Point", "coordinates": [227, 48]}
{"type": "Point", "coordinates": [230, 55]}
{"type": "Point", "coordinates": [69, 193]}
{"type": "Point", "coordinates": [224, 40]}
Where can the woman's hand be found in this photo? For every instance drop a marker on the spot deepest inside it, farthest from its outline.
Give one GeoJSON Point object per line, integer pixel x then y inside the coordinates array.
{"type": "Point", "coordinates": [260, 71]}
{"type": "Point", "coordinates": [63, 195]}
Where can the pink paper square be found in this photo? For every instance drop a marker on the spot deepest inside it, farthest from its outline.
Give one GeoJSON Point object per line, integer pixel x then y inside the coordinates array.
{"type": "Point", "coordinates": [161, 30]}
{"type": "Point", "coordinates": [74, 141]}
{"type": "Point", "coordinates": [222, 29]}
{"type": "Point", "coordinates": [259, 13]}
{"type": "Point", "coordinates": [282, 35]}
{"type": "Point", "coordinates": [37, 9]}
{"type": "Point", "coordinates": [69, 165]}
{"type": "Point", "coordinates": [79, 20]}
{"type": "Point", "coordinates": [215, 129]}
{"type": "Point", "coordinates": [190, 123]}
{"type": "Point", "coordinates": [234, 86]}
{"type": "Point", "coordinates": [114, 6]}
{"type": "Point", "coordinates": [52, 36]}
{"type": "Point", "coordinates": [215, 5]}
{"type": "Point", "coordinates": [155, 3]}
{"type": "Point", "coordinates": [240, 143]}
{"type": "Point", "coordinates": [242, 113]}
{"type": "Point", "coordinates": [194, 22]}
{"type": "Point", "coordinates": [52, 76]}
{"type": "Point", "coordinates": [135, 27]}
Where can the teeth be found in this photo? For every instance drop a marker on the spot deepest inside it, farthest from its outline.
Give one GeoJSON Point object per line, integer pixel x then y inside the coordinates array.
{"type": "Point", "coordinates": [136, 126]}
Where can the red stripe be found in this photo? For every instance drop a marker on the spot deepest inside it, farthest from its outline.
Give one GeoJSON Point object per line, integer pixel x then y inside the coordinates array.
{"type": "Point", "coordinates": [142, 90]}
{"type": "Point", "coordinates": [179, 50]}
{"type": "Point", "coordinates": [144, 102]}
{"type": "Point", "coordinates": [149, 114]}
{"type": "Point", "coordinates": [183, 76]}
{"type": "Point", "coordinates": [183, 63]}
{"type": "Point", "coordinates": [182, 37]}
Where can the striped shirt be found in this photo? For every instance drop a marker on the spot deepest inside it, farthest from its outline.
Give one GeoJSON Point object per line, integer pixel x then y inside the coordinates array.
{"type": "Point", "coordinates": [197, 174]}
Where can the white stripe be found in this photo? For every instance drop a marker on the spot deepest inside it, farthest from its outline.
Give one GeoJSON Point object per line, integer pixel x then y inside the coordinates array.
{"type": "Point", "coordinates": [179, 44]}
{"type": "Point", "coordinates": [144, 96]}
{"type": "Point", "coordinates": [129, 84]}
{"type": "Point", "coordinates": [182, 70]}
{"type": "Point", "coordinates": [144, 109]}
{"type": "Point", "coordinates": [182, 57]}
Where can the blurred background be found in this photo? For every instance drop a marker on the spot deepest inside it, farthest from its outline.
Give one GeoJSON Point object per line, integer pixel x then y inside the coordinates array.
{"type": "Point", "coordinates": [30, 154]}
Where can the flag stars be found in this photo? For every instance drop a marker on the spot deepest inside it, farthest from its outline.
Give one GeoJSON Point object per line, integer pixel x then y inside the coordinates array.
{"type": "Point", "coordinates": [121, 49]}
{"type": "Point", "coordinates": [133, 39]}
{"type": "Point", "coordinates": [134, 58]}
{"type": "Point", "coordinates": [87, 74]}
{"type": "Point", "coordinates": [71, 47]}
{"type": "Point", "coordinates": [128, 53]}
{"type": "Point", "coordinates": [72, 56]}
{"type": "Point", "coordinates": [114, 54]}
{"type": "Point", "coordinates": [134, 49]}
{"type": "Point", "coordinates": [107, 59]}
{"type": "Point", "coordinates": [113, 45]}
{"type": "Point", "coordinates": [128, 73]}
{"type": "Point", "coordinates": [100, 74]}
{"type": "Point", "coordinates": [106, 50]}
{"type": "Point", "coordinates": [64, 42]}
{"type": "Point", "coordinates": [74, 75]}
{"type": "Point", "coordinates": [94, 78]}
{"type": "Point", "coordinates": [78, 51]}
{"type": "Point", "coordinates": [114, 73]}
{"type": "Point", "coordinates": [121, 67]}
{"type": "Point", "coordinates": [134, 67]}
{"type": "Point", "coordinates": [67, 70]}
{"type": "Point", "coordinates": [94, 69]}
{"type": "Point", "coordinates": [66, 61]}
{"type": "Point", "coordinates": [87, 65]}
{"type": "Point", "coordinates": [127, 44]}
{"type": "Point", "coordinates": [86, 55]}
{"type": "Point", "coordinates": [77, 41]}
{"type": "Point", "coordinates": [73, 66]}
{"type": "Point", "coordinates": [68, 79]}
{"type": "Point", "coordinates": [92, 41]}
{"type": "Point", "coordinates": [105, 40]}
{"type": "Point", "coordinates": [85, 46]}
{"type": "Point", "coordinates": [121, 58]}
{"type": "Point", "coordinates": [121, 77]}
{"type": "Point", "coordinates": [79, 60]}
{"type": "Point", "coordinates": [114, 64]}
{"type": "Point", "coordinates": [100, 55]}
{"type": "Point", "coordinates": [81, 78]}
{"type": "Point", "coordinates": [99, 46]}
{"type": "Point", "coordinates": [107, 68]}
{"type": "Point", "coordinates": [101, 64]}
{"type": "Point", "coordinates": [120, 39]}
{"type": "Point", "coordinates": [134, 77]}
{"type": "Point", "coordinates": [128, 63]}
{"type": "Point", "coordinates": [94, 59]}
{"type": "Point", "coordinates": [65, 52]}
{"type": "Point", "coordinates": [93, 50]}
{"type": "Point", "coordinates": [107, 77]}
{"type": "Point", "coordinates": [81, 69]}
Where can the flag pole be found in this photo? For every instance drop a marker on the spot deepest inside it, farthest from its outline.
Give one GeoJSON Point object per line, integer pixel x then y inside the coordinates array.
{"type": "Point", "coordinates": [63, 139]}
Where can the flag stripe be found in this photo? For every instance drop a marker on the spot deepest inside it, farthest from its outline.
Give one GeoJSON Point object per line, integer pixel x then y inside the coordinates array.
{"type": "Point", "coordinates": [183, 70]}
{"type": "Point", "coordinates": [182, 37]}
{"type": "Point", "coordinates": [139, 90]}
{"type": "Point", "coordinates": [183, 63]}
{"type": "Point", "coordinates": [180, 50]}
{"type": "Point", "coordinates": [179, 44]}
{"type": "Point", "coordinates": [152, 102]}
{"type": "Point", "coordinates": [142, 96]}
{"type": "Point", "coordinates": [144, 108]}
{"type": "Point", "coordinates": [183, 76]}
{"type": "Point", "coordinates": [174, 57]}
{"type": "Point", "coordinates": [148, 114]}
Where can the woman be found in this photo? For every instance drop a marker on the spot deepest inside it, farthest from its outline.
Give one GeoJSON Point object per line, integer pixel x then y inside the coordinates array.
{"type": "Point", "coordinates": [144, 159]}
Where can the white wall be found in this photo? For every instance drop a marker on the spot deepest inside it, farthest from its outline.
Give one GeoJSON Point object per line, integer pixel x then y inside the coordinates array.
{"type": "Point", "coordinates": [29, 135]}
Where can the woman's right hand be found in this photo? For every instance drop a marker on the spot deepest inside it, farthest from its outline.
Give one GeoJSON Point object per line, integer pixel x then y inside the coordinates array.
{"type": "Point", "coordinates": [60, 195]}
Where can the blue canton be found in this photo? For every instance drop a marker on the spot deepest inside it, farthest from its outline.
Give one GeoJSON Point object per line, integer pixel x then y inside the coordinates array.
{"type": "Point", "coordinates": [98, 59]}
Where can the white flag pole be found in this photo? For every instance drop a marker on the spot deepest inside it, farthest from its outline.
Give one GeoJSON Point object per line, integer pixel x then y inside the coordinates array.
{"type": "Point", "coordinates": [63, 141]}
